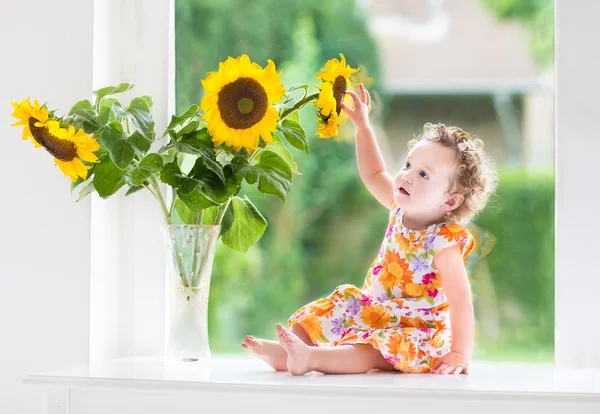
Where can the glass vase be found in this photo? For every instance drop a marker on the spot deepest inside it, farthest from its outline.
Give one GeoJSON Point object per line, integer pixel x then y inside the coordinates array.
{"type": "Point", "coordinates": [190, 254]}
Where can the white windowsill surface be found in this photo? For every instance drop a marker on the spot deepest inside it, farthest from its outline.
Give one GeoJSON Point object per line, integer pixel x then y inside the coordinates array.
{"type": "Point", "coordinates": [234, 377]}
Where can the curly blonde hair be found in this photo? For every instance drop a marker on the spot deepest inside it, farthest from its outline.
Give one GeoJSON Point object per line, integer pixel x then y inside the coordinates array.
{"type": "Point", "coordinates": [476, 177]}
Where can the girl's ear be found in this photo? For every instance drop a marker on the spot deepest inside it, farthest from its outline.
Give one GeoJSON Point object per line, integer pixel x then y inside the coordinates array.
{"type": "Point", "coordinates": [453, 202]}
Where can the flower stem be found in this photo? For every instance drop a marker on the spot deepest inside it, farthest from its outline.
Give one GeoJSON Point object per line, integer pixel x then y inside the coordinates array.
{"type": "Point", "coordinates": [197, 231]}
{"type": "Point", "coordinates": [158, 195]}
{"type": "Point", "coordinates": [299, 105]}
{"type": "Point", "coordinates": [222, 209]}
{"type": "Point", "coordinates": [154, 189]}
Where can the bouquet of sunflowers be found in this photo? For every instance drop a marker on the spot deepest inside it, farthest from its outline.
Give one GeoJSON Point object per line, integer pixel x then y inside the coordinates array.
{"type": "Point", "coordinates": [240, 132]}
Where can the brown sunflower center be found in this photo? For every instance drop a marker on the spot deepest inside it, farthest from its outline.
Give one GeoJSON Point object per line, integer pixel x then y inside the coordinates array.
{"type": "Point", "coordinates": [59, 148]}
{"type": "Point", "coordinates": [339, 90]}
{"type": "Point", "coordinates": [242, 103]}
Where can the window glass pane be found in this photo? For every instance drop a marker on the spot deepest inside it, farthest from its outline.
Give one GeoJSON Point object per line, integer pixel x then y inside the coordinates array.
{"type": "Point", "coordinates": [483, 65]}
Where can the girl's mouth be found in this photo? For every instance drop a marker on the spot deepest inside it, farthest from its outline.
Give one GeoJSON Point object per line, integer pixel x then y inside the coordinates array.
{"type": "Point", "coordinates": [403, 191]}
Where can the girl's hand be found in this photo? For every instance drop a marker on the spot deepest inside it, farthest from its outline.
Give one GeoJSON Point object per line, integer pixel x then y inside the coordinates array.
{"type": "Point", "coordinates": [362, 106]}
{"type": "Point", "coordinates": [452, 363]}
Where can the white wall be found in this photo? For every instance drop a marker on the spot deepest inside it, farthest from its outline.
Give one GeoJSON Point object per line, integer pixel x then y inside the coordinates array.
{"type": "Point", "coordinates": [578, 146]}
{"type": "Point", "coordinates": [46, 51]}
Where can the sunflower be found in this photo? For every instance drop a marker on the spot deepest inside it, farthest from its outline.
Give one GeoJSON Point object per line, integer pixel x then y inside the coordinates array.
{"type": "Point", "coordinates": [238, 102]}
{"type": "Point", "coordinates": [25, 112]}
{"type": "Point", "coordinates": [67, 146]}
{"type": "Point", "coordinates": [338, 74]}
{"type": "Point", "coordinates": [336, 79]}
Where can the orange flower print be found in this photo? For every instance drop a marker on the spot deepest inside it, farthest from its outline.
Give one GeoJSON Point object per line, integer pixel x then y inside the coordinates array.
{"type": "Point", "coordinates": [395, 270]}
{"type": "Point", "coordinates": [313, 327]}
{"type": "Point", "coordinates": [392, 221]}
{"type": "Point", "coordinates": [323, 308]}
{"type": "Point", "coordinates": [409, 244]}
{"type": "Point", "coordinates": [375, 316]}
{"type": "Point", "coordinates": [452, 232]}
{"type": "Point", "coordinates": [414, 290]}
{"type": "Point", "coordinates": [348, 338]}
{"type": "Point", "coordinates": [437, 341]}
{"type": "Point", "coordinates": [439, 325]}
{"type": "Point", "coordinates": [413, 322]}
{"type": "Point", "coordinates": [399, 345]}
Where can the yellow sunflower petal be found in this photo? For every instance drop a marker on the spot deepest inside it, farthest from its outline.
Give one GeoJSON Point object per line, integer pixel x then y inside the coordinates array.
{"type": "Point", "coordinates": [329, 129]}
{"type": "Point", "coordinates": [81, 169]}
{"type": "Point", "coordinates": [334, 68]}
{"type": "Point", "coordinates": [326, 101]}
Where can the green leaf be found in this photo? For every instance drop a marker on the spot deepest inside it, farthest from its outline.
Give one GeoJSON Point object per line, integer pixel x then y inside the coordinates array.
{"type": "Point", "coordinates": [148, 100]}
{"type": "Point", "coordinates": [85, 116]}
{"type": "Point", "coordinates": [278, 147]}
{"type": "Point", "coordinates": [194, 199]}
{"type": "Point", "coordinates": [287, 104]}
{"type": "Point", "coordinates": [110, 110]}
{"type": "Point", "coordinates": [76, 183]}
{"type": "Point", "coordinates": [151, 164]}
{"type": "Point", "coordinates": [273, 172]}
{"type": "Point", "coordinates": [178, 121]}
{"type": "Point", "coordinates": [111, 90]}
{"type": "Point", "coordinates": [210, 216]}
{"type": "Point", "coordinates": [294, 133]}
{"type": "Point", "coordinates": [108, 178]}
{"type": "Point", "coordinates": [242, 167]}
{"type": "Point", "coordinates": [186, 216]}
{"type": "Point", "coordinates": [195, 142]}
{"type": "Point", "coordinates": [84, 105]}
{"type": "Point", "coordinates": [200, 143]}
{"type": "Point", "coordinates": [294, 116]}
{"type": "Point", "coordinates": [171, 175]}
{"type": "Point", "coordinates": [139, 142]}
{"type": "Point", "coordinates": [247, 225]}
{"type": "Point", "coordinates": [138, 113]}
{"type": "Point", "coordinates": [296, 87]}
{"type": "Point", "coordinates": [133, 189]}
{"type": "Point", "coordinates": [212, 186]}
{"type": "Point", "coordinates": [116, 141]}
{"type": "Point", "coordinates": [85, 191]}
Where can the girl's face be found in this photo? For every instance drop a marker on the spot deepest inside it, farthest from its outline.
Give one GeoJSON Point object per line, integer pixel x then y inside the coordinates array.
{"type": "Point", "coordinates": [422, 186]}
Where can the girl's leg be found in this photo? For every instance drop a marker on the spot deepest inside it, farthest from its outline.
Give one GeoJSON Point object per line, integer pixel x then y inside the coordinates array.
{"type": "Point", "coordinates": [271, 351]}
{"type": "Point", "coordinates": [345, 359]}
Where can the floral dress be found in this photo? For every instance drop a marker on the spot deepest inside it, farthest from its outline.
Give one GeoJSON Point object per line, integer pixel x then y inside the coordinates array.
{"type": "Point", "coordinates": [401, 309]}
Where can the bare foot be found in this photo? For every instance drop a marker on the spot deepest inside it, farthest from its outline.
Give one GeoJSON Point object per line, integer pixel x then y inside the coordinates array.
{"type": "Point", "coordinates": [269, 351]}
{"type": "Point", "coordinates": [298, 353]}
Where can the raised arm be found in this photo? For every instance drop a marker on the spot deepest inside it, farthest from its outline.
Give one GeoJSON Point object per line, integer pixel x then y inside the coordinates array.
{"type": "Point", "coordinates": [371, 165]}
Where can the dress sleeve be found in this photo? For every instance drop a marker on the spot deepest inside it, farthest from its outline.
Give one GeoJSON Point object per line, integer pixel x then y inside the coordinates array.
{"type": "Point", "coordinates": [451, 234]}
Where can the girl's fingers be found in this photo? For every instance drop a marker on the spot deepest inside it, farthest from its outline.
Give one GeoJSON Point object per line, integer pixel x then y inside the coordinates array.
{"type": "Point", "coordinates": [458, 370]}
{"type": "Point", "coordinates": [441, 369]}
{"type": "Point", "coordinates": [355, 98]}
{"type": "Point", "coordinates": [448, 369]}
{"type": "Point", "coordinates": [363, 93]}
{"type": "Point", "coordinates": [368, 98]}
{"type": "Point", "coordinates": [347, 110]}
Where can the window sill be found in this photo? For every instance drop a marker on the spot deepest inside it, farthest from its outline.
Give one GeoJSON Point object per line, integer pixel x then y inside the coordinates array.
{"type": "Point", "coordinates": [248, 385]}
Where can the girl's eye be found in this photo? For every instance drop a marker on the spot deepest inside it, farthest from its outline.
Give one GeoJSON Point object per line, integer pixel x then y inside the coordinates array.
{"type": "Point", "coordinates": [407, 165]}
{"type": "Point", "coordinates": [423, 174]}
